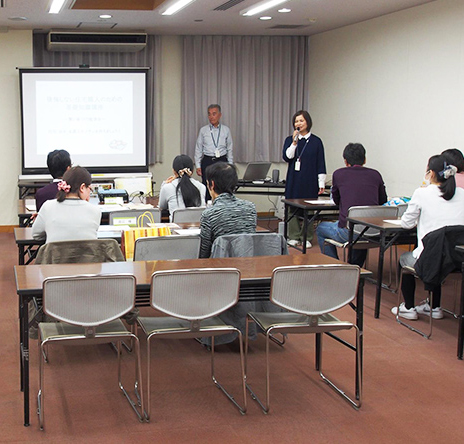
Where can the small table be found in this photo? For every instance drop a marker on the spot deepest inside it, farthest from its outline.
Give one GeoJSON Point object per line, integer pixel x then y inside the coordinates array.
{"type": "Point", "coordinates": [460, 248]}
{"type": "Point", "coordinates": [323, 209]}
{"type": "Point", "coordinates": [389, 234]}
{"type": "Point", "coordinates": [254, 286]}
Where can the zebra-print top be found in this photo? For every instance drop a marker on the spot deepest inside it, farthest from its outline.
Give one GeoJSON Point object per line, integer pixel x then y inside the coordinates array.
{"type": "Point", "coordinates": [228, 215]}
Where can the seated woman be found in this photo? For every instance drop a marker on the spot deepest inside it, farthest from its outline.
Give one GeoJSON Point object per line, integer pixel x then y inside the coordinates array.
{"type": "Point", "coordinates": [70, 216]}
{"type": "Point", "coordinates": [228, 215]}
{"type": "Point", "coordinates": [180, 190]}
{"type": "Point", "coordinates": [438, 205]}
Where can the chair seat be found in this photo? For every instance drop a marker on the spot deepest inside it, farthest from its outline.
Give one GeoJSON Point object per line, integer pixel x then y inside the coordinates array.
{"type": "Point", "coordinates": [59, 330]}
{"type": "Point", "coordinates": [171, 325]}
{"type": "Point", "coordinates": [295, 321]}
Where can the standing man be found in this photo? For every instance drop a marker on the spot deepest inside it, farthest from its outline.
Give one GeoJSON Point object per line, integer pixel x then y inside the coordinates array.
{"type": "Point", "coordinates": [214, 143]}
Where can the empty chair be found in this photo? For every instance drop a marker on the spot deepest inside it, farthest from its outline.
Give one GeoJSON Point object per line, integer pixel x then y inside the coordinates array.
{"type": "Point", "coordinates": [192, 299]}
{"type": "Point", "coordinates": [191, 214]}
{"type": "Point", "coordinates": [134, 218]}
{"type": "Point", "coordinates": [310, 293]}
{"type": "Point", "coordinates": [89, 308]}
{"type": "Point", "coordinates": [166, 247]}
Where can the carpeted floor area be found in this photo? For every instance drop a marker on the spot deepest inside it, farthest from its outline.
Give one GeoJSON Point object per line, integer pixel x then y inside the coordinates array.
{"type": "Point", "coordinates": [411, 386]}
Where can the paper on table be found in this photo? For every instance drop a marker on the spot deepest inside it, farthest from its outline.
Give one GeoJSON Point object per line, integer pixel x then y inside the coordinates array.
{"type": "Point", "coordinates": [188, 232]}
{"type": "Point", "coordinates": [113, 227]}
{"type": "Point", "coordinates": [393, 221]}
{"type": "Point", "coordinates": [162, 225]}
{"type": "Point", "coordinates": [321, 202]}
{"type": "Point", "coordinates": [30, 205]}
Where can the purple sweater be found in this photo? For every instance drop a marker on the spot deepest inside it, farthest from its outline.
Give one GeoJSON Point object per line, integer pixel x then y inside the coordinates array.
{"type": "Point", "coordinates": [356, 186]}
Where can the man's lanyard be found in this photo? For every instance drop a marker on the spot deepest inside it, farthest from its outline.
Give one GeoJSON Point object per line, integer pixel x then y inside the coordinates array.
{"type": "Point", "coordinates": [215, 142]}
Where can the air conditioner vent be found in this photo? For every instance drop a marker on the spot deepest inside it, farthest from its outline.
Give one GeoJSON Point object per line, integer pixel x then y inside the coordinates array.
{"type": "Point", "coordinates": [227, 5]}
{"type": "Point", "coordinates": [96, 41]}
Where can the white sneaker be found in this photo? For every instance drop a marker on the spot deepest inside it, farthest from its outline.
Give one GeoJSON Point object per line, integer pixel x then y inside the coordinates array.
{"type": "Point", "coordinates": [406, 313]}
{"type": "Point", "coordinates": [292, 242]}
{"type": "Point", "coordinates": [309, 244]}
{"type": "Point", "coordinates": [424, 308]}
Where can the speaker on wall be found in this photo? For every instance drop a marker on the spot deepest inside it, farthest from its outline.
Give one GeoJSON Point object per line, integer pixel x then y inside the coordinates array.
{"type": "Point", "coordinates": [275, 176]}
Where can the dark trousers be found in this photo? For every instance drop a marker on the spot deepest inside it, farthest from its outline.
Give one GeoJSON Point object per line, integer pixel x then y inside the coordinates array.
{"type": "Point", "coordinates": [408, 288]}
{"type": "Point", "coordinates": [205, 163]}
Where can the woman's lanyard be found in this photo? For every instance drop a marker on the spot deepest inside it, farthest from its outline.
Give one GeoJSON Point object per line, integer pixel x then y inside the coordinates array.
{"type": "Point", "coordinates": [298, 157]}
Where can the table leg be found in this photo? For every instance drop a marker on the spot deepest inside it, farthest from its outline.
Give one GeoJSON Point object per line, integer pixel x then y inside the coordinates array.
{"type": "Point", "coordinates": [378, 293]}
{"type": "Point", "coordinates": [350, 242]}
{"type": "Point", "coordinates": [461, 322]}
{"type": "Point", "coordinates": [285, 221]}
{"type": "Point", "coordinates": [360, 325]}
{"type": "Point", "coordinates": [24, 324]}
{"type": "Point", "coordinates": [318, 351]}
{"type": "Point", "coordinates": [21, 254]}
{"type": "Point", "coordinates": [305, 230]}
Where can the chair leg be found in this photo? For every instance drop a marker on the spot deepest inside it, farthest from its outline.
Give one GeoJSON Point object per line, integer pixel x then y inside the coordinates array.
{"type": "Point", "coordinates": [358, 380]}
{"type": "Point", "coordinates": [405, 324]}
{"type": "Point", "coordinates": [138, 380]}
{"type": "Point", "coordinates": [242, 409]}
{"type": "Point", "coordinates": [254, 396]}
{"type": "Point", "coordinates": [278, 341]}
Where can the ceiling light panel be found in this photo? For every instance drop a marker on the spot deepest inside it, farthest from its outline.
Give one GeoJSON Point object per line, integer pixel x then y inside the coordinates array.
{"type": "Point", "coordinates": [260, 7]}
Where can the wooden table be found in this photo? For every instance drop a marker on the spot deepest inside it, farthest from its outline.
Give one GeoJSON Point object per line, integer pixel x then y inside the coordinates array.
{"type": "Point", "coordinates": [318, 211]}
{"type": "Point", "coordinates": [389, 234]}
{"type": "Point", "coordinates": [255, 284]}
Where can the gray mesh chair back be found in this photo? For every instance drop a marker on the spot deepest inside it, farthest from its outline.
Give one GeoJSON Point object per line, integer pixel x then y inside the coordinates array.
{"type": "Point", "coordinates": [89, 308]}
{"type": "Point", "coordinates": [314, 289]}
{"type": "Point", "coordinates": [192, 299]}
{"type": "Point", "coordinates": [89, 300]}
{"type": "Point", "coordinates": [401, 209]}
{"type": "Point", "coordinates": [310, 293]}
{"type": "Point", "coordinates": [166, 248]}
{"type": "Point", "coordinates": [191, 214]}
{"type": "Point", "coordinates": [386, 212]}
{"type": "Point", "coordinates": [130, 217]}
{"type": "Point", "coordinates": [195, 294]}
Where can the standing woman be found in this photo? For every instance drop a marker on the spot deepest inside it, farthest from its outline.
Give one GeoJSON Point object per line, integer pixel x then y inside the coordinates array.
{"type": "Point", "coordinates": [70, 216]}
{"type": "Point", "coordinates": [180, 190]}
{"type": "Point", "coordinates": [304, 153]}
{"type": "Point", "coordinates": [438, 205]}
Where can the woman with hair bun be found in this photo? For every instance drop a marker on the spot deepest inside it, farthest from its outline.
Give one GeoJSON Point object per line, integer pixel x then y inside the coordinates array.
{"type": "Point", "coordinates": [70, 216]}
{"type": "Point", "coordinates": [435, 206]}
{"type": "Point", "coordinates": [180, 190]}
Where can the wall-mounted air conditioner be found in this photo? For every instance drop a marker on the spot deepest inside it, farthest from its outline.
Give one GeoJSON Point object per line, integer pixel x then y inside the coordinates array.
{"type": "Point", "coordinates": [96, 41]}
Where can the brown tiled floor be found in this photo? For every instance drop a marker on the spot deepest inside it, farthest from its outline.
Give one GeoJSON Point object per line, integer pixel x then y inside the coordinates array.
{"type": "Point", "coordinates": [407, 382]}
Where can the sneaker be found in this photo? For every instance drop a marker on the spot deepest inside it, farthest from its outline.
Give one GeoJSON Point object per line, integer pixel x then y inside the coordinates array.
{"type": "Point", "coordinates": [424, 309]}
{"type": "Point", "coordinates": [292, 242]}
{"type": "Point", "coordinates": [407, 313]}
{"type": "Point", "coordinates": [308, 245]}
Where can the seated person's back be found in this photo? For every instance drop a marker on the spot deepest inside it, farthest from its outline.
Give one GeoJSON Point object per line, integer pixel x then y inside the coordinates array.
{"type": "Point", "coordinates": [58, 162]}
{"type": "Point", "coordinates": [228, 215]}
{"type": "Point", "coordinates": [354, 185]}
{"type": "Point", "coordinates": [70, 216]}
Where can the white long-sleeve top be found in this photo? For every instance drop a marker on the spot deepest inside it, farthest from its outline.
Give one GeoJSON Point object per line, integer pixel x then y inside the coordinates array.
{"type": "Point", "coordinates": [72, 219]}
{"type": "Point", "coordinates": [429, 211]}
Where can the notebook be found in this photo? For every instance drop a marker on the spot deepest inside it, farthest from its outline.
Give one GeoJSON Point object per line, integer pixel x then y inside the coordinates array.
{"type": "Point", "coordinates": [256, 171]}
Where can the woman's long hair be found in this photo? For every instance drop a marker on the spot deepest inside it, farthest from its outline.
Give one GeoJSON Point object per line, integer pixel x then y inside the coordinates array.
{"type": "Point", "coordinates": [444, 175]}
{"type": "Point", "coordinates": [74, 178]}
{"type": "Point", "coordinates": [183, 166]}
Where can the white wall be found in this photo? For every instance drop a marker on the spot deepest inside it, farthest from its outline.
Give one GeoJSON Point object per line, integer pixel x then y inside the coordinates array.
{"type": "Point", "coordinates": [15, 51]}
{"type": "Point", "coordinates": [395, 84]}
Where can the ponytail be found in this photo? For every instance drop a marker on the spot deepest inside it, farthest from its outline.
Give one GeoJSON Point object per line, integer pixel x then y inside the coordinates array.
{"type": "Point", "coordinates": [183, 166]}
{"type": "Point", "coordinates": [444, 175]}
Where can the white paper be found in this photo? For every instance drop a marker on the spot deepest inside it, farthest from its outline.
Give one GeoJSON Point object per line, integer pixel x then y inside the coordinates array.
{"type": "Point", "coordinates": [188, 232]}
{"type": "Point", "coordinates": [321, 202]}
{"type": "Point", "coordinates": [30, 205]}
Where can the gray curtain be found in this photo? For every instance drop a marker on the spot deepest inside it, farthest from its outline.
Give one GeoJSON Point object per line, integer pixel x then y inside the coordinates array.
{"type": "Point", "coordinates": [258, 81]}
{"type": "Point", "coordinates": [148, 57]}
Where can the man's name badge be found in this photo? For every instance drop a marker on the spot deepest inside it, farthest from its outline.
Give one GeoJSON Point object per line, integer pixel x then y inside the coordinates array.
{"type": "Point", "coordinates": [217, 153]}
{"type": "Point", "coordinates": [297, 165]}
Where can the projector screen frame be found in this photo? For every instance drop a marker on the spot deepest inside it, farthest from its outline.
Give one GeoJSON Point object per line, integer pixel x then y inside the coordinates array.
{"type": "Point", "coordinates": [142, 168]}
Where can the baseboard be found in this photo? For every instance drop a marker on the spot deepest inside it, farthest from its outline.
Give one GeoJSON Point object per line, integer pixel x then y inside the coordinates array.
{"type": "Point", "coordinates": [7, 228]}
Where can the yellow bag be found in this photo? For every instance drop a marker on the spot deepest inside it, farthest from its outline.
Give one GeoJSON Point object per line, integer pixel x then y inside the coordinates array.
{"type": "Point", "coordinates": [129, 236]}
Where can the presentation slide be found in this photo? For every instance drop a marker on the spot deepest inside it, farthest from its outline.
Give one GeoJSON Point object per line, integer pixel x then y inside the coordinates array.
{"type": "Point", "coordinates": [98, 116]}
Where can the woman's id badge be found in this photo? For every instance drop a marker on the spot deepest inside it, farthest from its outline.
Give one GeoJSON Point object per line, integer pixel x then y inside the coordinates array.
{"type": "Point", "coordinates": [297, 165]}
